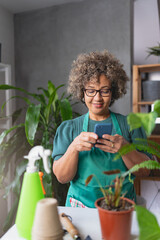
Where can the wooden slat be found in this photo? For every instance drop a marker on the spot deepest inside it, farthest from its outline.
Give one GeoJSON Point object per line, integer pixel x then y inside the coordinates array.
{"type": "Point", "coordinates": [149, 68]}
{"type": "Point", "coordinates": [136, 80]}
{"type": "Point", "coordinates": [145, 103]}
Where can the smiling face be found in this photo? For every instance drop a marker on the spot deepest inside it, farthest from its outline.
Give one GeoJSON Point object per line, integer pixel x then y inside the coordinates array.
{"type": "Point", "coordinates": [98, 105]}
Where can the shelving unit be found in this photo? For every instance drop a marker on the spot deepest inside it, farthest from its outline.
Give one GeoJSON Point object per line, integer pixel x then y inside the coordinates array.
{"type": "Point", "coordinates": [138, 70]}
{"type": "Point", "coordinates": [137, 80]}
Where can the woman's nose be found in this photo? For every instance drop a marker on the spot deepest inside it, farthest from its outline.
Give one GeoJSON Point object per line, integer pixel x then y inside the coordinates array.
{"type": "Point", "coordinates": [98, 96]}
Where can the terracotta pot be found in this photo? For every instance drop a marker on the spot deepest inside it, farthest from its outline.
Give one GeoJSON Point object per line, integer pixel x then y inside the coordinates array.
{"type": "Point", "coordinates": [115, 225]}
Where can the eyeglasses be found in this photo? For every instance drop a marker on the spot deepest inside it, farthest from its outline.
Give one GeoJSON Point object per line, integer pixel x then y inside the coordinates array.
{"type": "Point", "coordinates": [93, 92]}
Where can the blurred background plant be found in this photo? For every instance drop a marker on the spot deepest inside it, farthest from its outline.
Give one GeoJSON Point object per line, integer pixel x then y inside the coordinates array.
{"type": "Point", "coordinates": [149, 228]}
{"type": "Point", "coordinates": [33, 124]}
{"type": "Point", "coordinates": [155, 50]}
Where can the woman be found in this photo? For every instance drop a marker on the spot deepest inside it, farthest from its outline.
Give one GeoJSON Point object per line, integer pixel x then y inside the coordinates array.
{"type": "Point", "coordinates": [97, 79]}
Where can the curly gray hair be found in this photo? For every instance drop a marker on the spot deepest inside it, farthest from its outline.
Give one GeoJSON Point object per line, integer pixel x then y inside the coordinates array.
{"type": "Point", "coordinates": [91, 66]}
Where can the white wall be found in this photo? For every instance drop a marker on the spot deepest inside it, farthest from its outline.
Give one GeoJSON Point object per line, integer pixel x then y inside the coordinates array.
{"type": "Point", "coordinates": [146, 30]}
{"type": "Point", "coordinates": [7, 41]}
{"type": "Point", "coordinates": [7, 36]}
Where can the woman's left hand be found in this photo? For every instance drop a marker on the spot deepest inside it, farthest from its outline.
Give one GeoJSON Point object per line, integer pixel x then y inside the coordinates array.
{"type": "Point", "coordinates": [110, 143]}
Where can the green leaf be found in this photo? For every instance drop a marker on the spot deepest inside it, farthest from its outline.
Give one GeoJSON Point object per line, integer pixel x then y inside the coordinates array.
{"type": "Point", "coordinates": [157, 107]}
{"type": "Point", "coordinates": [143, 145]}
{"type": "Point", "coordinates": [6, 132]}
{"type": "Point", "coordinates": [9, 220]}
{"type": "Point", "coordinates": [48, 107]}
{"type": "Point", "coordinates": [53, 90]}
{"type": "Point", "coordinates": [15, 184]}
{"type": "Point", "coordinates": [24, 98]}
{"type": "Point", "coordinates": [150, 164]}
{"type": "Point", "coordinates": [148, 224]}
{"type": "Point", "coordinates": [66, 109]}
{"type": "Point", "coordinates": [51, 87]}
{"type": "Point", "coordinates": [145, 120]}
{"type": "Point", "coordinates": [9, 87]}
{"type": "Point", "coordinates": [31, 122]}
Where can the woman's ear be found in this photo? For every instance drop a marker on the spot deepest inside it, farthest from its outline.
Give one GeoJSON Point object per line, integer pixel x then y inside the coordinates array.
{"type": "Point", "coordinates": [82, 97]}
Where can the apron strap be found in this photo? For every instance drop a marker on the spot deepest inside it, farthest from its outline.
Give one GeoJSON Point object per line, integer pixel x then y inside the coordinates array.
{"type": "Point", "coordinates": [114, 121]}
{"type": "Point", "coordinates": [116, 124]}
{"type": "Point", "coordinates": [85, 122]}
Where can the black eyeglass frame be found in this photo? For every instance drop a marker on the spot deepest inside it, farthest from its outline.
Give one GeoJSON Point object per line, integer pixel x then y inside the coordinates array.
{"type": "Point", "coordinates": [96, 91]}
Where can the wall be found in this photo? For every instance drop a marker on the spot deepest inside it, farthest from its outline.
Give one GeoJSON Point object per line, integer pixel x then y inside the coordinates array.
{"type": "Point", "coordinates": [7, 40]}
{"type": "Point", "coordinates": [48, 40]}
{"type": "Point", "coordinates": [146, 30]}
{"type": "Point", "coordinates": [7, 37]}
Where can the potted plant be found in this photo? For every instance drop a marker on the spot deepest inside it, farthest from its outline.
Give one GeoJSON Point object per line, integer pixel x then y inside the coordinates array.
{"type": "Point", "coordinates": [115, 211]}
{"type": "Point", "coordinates": [155, 50]}
{"type": "Point", "coordinates": [34, 124]}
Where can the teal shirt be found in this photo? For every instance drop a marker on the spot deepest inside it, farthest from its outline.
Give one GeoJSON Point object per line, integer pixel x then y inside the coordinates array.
{"type": "Point", "coordinates": [70, 129]}
{"type": "Point", "coordinates": [96, 158]}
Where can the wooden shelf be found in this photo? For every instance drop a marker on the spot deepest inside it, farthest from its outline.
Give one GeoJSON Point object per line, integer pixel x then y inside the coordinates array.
{"type": "Point", "coordinates": [148, 68]}
{"type": "Point", "coordinates": [137, 104]}
{"type": "Point", "coordinates": [145, 103]}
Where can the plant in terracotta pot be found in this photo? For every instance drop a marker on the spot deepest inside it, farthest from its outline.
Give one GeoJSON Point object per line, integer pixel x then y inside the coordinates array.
{"type": "Point", "coordinates": [115, 211]}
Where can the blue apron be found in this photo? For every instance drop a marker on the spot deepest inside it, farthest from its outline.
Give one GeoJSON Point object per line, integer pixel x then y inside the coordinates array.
{"type": "Point", "coordinates": [95, 162]}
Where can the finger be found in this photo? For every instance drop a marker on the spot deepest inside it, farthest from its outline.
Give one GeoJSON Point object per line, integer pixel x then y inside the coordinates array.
{"type": "Point", "coordinates": [106, 142]}
{"type": "Point", "coordinates": [85, 146]}
{"type": "Point", "coordinates": [105, 148]}
{"type": "Point", "coordinates": [89, 137]}
{"type": "Point", "coordinates": [111, 138]}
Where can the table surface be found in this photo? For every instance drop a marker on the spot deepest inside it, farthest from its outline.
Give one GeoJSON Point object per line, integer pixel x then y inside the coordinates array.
{"type": "Point", "coordinates": [85, 219]}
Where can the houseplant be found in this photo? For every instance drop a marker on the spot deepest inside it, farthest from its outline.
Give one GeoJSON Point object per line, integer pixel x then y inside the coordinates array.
{"type": "Point", "coordinates": [119, 229]}
{"type": "Point", "coordinates": [114, 210]}
{"type": "Point", "coordinates": [33, 124]}
{"type": "Point", "coordinates": [155, 50]}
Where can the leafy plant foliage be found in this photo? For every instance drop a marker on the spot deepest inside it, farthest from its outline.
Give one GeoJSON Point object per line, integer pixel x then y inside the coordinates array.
{"type": "Point", "coordinates": [149, 227]}
{"type": "Point", "coordinates": [33, 124]}
{"type": "Point", "coordinates": [155, 50]}
{"type": "Point", "coordinates": [112, 197]}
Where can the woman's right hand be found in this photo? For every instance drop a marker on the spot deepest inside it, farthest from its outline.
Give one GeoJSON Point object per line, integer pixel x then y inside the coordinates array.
{"type": "Point", "coordinates": [84, 141]}
{"type": "Point", "coordinates": [66, 167]}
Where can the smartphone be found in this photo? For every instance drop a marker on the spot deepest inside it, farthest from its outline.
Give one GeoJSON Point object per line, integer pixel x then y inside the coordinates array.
{"type": "Point", "coordinates": [103, 128]}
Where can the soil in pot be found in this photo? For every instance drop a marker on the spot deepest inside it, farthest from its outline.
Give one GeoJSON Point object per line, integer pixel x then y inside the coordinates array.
{"type": "Point", "coordinates": [115, 225]}
{"type": "Point", "coordinates": [124, 205]}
